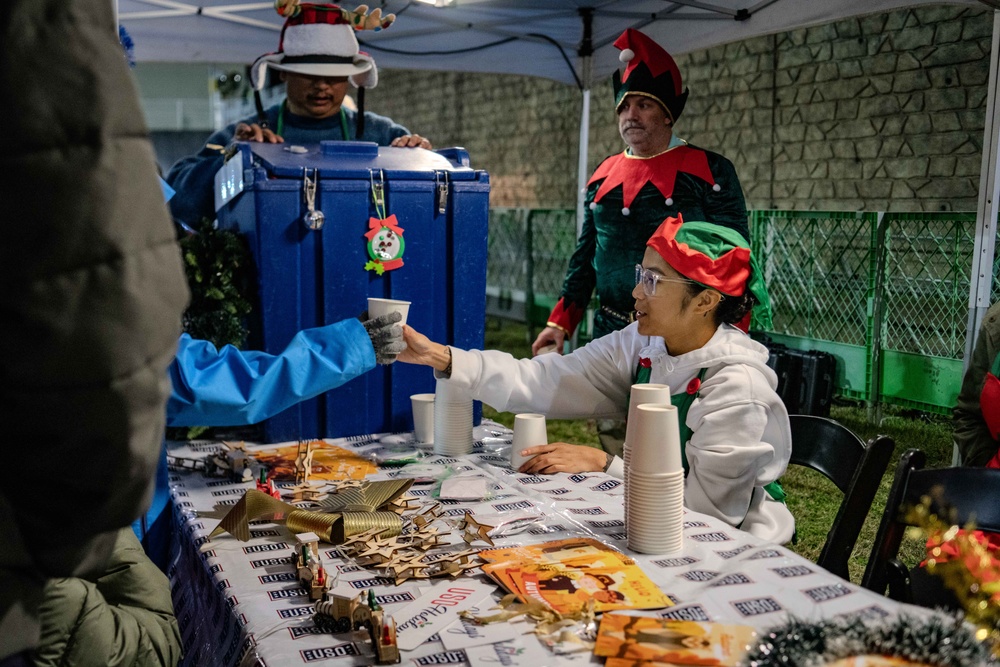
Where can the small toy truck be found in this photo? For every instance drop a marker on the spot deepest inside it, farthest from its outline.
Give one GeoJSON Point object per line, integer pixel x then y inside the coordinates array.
{"type": "Point", "coordinates": [308, 566]}
{"type": "Point", "coordinates": [339, 613]}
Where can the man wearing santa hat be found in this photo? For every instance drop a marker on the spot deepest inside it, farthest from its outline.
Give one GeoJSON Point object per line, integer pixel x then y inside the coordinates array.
{"type": "Point", "coordinates": [658, 176]}
{"type": "Point", "coordinates": [318, 56]}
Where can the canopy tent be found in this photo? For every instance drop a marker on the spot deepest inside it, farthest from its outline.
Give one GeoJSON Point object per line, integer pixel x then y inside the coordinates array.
{"type": "Point", "coordinates": [564, 40]}
{"type": "Point", "coordinates": [545, 38]}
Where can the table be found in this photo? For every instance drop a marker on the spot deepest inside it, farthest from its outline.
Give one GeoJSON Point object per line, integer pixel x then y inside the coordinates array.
{"type": "Point", "coordinates": [239, 602]}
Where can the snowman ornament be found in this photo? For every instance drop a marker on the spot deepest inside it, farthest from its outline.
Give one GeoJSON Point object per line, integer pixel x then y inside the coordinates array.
{"type": "Point", "coordinates": [385, 245]}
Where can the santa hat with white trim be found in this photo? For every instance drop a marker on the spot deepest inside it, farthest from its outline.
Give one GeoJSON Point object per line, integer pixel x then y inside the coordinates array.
{"type": "Point", "coordinates": [318, 40]}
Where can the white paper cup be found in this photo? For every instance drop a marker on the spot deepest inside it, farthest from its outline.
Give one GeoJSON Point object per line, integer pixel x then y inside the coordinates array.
{"type": "Point", "coordinates": [380, 307]}
{"type": "Point", "coordinates": [423, 417]}
{"type": "Point", "coordinates": [641, 394]}
{"type": "Point", "coordinates": [659, 477]}
{"type": "Point", "coordinates": [656, 447]}
{"type": "Point", "coordinates": [452, 420]}
{"type": "Point", "coordinates": [661, 487]}
{"type": "Point", "coordinates": [529, 431]}
{"type": "Point", "coordinates": [656, 517]}
{"type": "Point", "coordinates": [655, 549]}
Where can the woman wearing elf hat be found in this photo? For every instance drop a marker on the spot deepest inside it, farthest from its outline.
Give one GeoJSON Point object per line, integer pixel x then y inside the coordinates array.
{"type": "Point", "coordinates": [695, 281]}
{"type": "Point", "coordinates": [318, 55]}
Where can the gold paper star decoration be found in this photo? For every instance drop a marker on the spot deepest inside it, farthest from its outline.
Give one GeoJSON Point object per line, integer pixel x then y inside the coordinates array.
{"type": "Point", "coordinates": [476, 531]}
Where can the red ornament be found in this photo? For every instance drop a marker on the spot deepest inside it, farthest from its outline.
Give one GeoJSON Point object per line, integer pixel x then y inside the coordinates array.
{"type": "Point", "coordinates": [645, 363]}
{"type": "Point", "coordinates": [694, 385]}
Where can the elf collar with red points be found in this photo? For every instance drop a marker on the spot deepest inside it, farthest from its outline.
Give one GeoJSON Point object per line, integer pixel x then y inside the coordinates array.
{"type": "Point", "coordinates": [632, 173]}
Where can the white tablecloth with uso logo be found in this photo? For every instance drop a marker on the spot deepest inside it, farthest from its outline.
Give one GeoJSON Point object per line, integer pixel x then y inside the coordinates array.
{"type": "Point", "coordinates": [239, 602]}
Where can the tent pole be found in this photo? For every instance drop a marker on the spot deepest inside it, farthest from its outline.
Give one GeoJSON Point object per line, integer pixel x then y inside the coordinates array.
{"type": "Point", "coordinates": [981, 287]}
{"type": "Point", "coordinates": [586, 53]}
{"type": "Point", "coordinates": [581, 172]}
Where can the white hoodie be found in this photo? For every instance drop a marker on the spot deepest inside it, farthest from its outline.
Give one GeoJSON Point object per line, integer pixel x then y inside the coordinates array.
{"type": "Point", "coordinates": [740, 441]}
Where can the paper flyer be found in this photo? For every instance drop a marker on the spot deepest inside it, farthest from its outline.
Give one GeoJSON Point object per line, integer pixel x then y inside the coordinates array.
{"type": "Point", "coordinates": [559, 551]}
{"type": "Point", "coordinates": [641, 638]}
{"type": "Point", "coordinates": [568, 589]}
{"type": "Point", "coordinates": [437, 609]}
{"type": "Point", "coordinates": [566, 574]}
{"type": "Point", "coordinates": [463, 634]}
{"type": "Point", "coordinates": [522, 652]}
{"type": "Point", "coordinates": [329, 462]}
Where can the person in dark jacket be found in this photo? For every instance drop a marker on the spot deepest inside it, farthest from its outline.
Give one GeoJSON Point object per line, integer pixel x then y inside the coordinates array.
{"type": "Point", "coordinates": [91, 295]}
{"type": "Point", "coordinates": [317, 57]}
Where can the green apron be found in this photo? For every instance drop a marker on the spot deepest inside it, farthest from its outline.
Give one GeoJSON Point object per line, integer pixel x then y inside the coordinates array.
{"type": "Point", "coordinates": [682, 402]}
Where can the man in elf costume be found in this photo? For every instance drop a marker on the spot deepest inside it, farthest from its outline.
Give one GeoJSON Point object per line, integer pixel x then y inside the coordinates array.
{"type": "Point", "coordinates": [318, 55]}
{"type": "Point", "coordinates": [658, 176]}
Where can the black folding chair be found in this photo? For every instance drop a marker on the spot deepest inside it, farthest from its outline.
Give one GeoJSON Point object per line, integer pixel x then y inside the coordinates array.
{"type": "Point", "coordinates": [972, 493]}
{"type": "Point", "coordinates": [832, 449]}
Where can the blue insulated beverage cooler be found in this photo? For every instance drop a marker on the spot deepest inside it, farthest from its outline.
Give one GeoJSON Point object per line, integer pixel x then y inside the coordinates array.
{"type": "Point", "coordinates": [305, 211]}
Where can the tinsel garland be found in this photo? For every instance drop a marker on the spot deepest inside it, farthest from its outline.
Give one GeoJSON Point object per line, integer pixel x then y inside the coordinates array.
{"type": "Point", "coordinates": [966, 561]}
{"type": "Point", "coordinates": [942, 641]}
{"type": "Point", "coordinates": [127, 45]}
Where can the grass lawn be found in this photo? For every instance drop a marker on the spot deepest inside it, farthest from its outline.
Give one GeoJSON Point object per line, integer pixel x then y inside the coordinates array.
{"type": "Point", "coordinates": [811, 497]}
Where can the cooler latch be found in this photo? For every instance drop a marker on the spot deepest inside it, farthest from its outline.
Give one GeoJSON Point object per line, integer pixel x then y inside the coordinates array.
{"type": "Point", "coordinates": [441, 191]}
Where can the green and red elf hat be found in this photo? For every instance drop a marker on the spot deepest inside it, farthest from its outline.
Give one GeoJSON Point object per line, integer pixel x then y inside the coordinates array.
{"type": "Point", "coordinates": [713, 256]}
{"type": "Point", "coordinates": [649, 71]}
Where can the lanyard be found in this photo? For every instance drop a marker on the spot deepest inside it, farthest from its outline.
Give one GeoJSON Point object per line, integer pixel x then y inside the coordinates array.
{"type": "Point", "coordinates": [281, 121]}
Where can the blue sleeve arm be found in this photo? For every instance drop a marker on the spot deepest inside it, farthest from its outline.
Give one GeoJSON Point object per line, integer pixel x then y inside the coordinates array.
{"type": "Point", "coordinates": [229, 387]}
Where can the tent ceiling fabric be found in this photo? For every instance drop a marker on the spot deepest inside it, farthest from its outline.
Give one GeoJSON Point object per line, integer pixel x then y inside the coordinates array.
{"type": "Point", "coordinates": [537, 37]}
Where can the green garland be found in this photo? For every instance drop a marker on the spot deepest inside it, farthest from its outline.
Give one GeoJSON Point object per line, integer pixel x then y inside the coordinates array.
{"type": "Point", "coordinates": [220, 276]}
{"type": "Point", "coordinates": [942, 641]}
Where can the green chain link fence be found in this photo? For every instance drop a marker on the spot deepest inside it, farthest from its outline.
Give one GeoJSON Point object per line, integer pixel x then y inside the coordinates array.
{"type": "Point", "coordinates": [529, 250]}
{"type": "Point", "coordinates": [887, 294]}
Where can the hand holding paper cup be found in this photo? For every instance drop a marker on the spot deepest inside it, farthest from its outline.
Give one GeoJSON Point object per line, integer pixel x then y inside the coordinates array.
{"type": "Point", "coordinates": [380, 307]}
{"type": "Point", "coordinates": [423, 417]}
{"type": "Point", "coordinates": [529, 431]}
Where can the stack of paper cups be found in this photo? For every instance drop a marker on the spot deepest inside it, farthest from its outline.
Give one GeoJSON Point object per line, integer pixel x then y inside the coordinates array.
{"type": "Point", "coordinates": [529, 431]}
{"type": "Point", "coordinates": [641, 394]}
{"type": "Point", "coordinates": [654, 482]}
{"type": "Point", "coordinates": [452, 420]}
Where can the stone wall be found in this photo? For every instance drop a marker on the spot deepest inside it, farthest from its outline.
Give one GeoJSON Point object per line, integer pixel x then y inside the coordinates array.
{"type": "Point", "coordinates": [884, 112]}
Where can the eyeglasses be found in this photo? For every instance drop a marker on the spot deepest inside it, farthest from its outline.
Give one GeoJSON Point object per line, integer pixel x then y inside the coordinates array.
{"type": "Point", "coordinates": [648, 280]}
